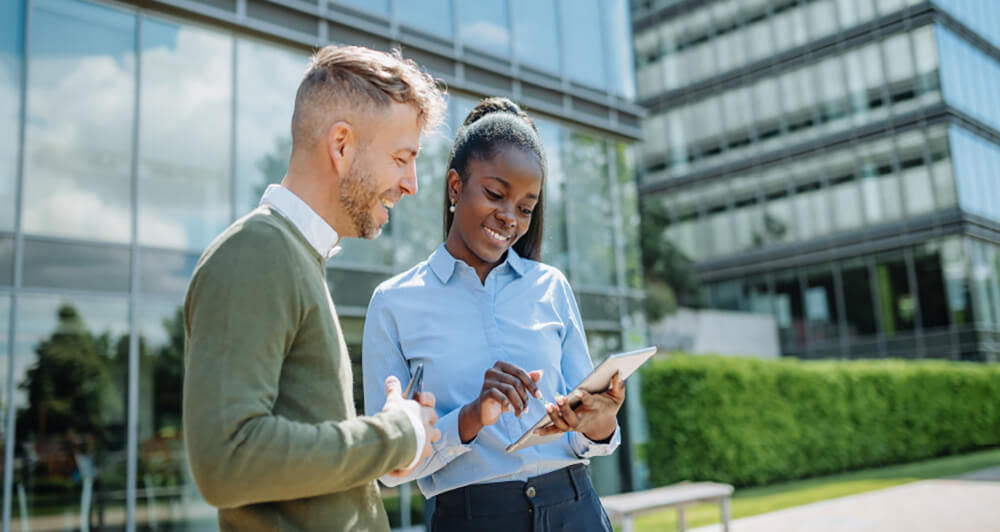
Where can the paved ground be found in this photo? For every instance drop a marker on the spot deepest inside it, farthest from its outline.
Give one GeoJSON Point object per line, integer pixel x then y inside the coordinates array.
{"type": "Point", "coordinates": [967, 503]}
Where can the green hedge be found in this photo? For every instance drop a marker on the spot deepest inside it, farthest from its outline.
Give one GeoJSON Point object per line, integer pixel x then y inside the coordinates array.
{"type": "Point", "coordinates": [750, 422]}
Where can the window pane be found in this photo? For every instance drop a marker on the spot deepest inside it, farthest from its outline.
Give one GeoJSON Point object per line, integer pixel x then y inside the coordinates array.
{"type": "Point", "coordinates": [618, 32]}
{"type": "Point", "coordinates": [4, 352]}
{"type": "Point", "coordinates": [484, 25]}
{"type": "Point", "coordinates": [822, 316]}
{"type": "Point", "coordinates": [185, 135]}
{"type": "Point", "coordinates": [165, 491]}
{"type": "Point", "coordinates": [536, 39]}
{"type": "Point", "coordinates": [11, 55]}
{"type": "Point", "coordinates": [592, 252]}
{"type": "Point", "coordinates": [859, 309]}
{"type": "Point", "coordinates": [896, 302]}
{"type": "Point", "coordinates": [777, 221]}
{"type": "Point", "coordinates": [50, 264]}
{"type": "Point", "coordinates": [431, 16]}
{"type": "Point", "coordinates": [629, 199]}
{"type": "Point", "coordinates": [420, 232]}
{"type": "Point", "coordinates": [375, 6]}
{"type": "Point", "coordinates": [70, 369]}
{"type": "Point", "coordinates": [81, 103]}
{"type": "Point", "coordinates": [164, 271]}
{"type": "Point", "coordinates": [789, 312]}
{"type": "Point", "coordinates": [266, 80]}
{"type": "Point", "coordinates": [555, 251]}
{"type": "Point", "coordinates": [954, 265]}
{"type": "Point", "coordinates": [583, 48]}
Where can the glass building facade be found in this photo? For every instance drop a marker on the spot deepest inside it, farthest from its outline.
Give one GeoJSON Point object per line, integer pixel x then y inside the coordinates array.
{"type": "Point", "coordinates": [832, 163]}
{"type": "Point", "coordinates": [132, 133]}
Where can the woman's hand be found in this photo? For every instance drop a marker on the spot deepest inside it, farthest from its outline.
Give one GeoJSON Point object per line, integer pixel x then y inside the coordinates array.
{"type": "Point", "coordinates": [595, 416]}
{"type": "Point", "coordinates": [505, 387]}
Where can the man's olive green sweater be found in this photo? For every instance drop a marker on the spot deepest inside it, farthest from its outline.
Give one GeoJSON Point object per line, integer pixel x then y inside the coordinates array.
{"type": "Point", "coordinates": [269, 422]}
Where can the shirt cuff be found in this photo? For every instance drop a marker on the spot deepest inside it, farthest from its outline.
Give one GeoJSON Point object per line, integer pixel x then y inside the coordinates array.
{"type": "Point", "coordinates": [450, 445]}
{"type": "Point", "coordinates": [584, 447]}
{"type": "Point", "coordinates": [419, 432]}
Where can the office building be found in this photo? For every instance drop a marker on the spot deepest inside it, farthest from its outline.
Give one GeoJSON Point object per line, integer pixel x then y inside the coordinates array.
{"type": "Point", "coordinates": [132, 133]}
{"type": "Point", "coordinates": [833, 163]}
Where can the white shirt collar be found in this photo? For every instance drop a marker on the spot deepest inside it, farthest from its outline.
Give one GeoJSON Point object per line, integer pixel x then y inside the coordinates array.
{"type": "Point", "coordinates": [319, 233]}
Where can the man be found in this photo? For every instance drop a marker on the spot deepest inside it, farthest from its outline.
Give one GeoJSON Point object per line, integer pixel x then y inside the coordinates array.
{"type": "Point", "coordinates": [269, 421]}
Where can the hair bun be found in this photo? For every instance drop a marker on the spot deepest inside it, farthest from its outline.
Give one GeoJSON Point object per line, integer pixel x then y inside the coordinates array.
{"type": "Point", "coordinates": [495, 104]}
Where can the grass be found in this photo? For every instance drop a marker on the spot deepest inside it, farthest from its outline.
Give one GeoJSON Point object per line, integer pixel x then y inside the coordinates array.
{"type": "Point", "coordinates": [758, 500]}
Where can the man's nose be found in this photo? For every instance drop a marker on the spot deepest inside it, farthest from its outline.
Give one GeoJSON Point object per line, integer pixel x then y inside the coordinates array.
{"type": "Point", "coordinates": [408, 184]}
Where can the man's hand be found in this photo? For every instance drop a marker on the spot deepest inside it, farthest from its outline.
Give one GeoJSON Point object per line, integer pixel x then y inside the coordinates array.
{"type": "Point", "coordinates": [595, 415]}
{"type": "Point", "coordinates": [423, 407]}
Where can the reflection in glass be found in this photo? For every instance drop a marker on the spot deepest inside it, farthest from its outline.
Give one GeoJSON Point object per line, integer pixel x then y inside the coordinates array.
{"type": "Point", "coordinates": [266, 80]}
{"type": "Point", "coordinates": [628, 191]}
{"type": "Point", "coordinates": [554, 249]}
{"type": "Point", "coordinates": [71, 372]}
{"type": "Point", "coordinates": [536, 41]}
{"type": "Point", "coordinates": [6, 260]}
{"type": "Point", "coordinates": [822, 315]}
{"type": "Point", "coordinates": [484, 25]}
{"type": "Point", "coordinates": [980, 15]}
{"type": "Point", "coordinates": [353, 288]}
{"type": "Point", "coordinates": [896, 304]}
{"type": "Point", "coordinates": [88, 266]}
{"type": "Point", "coordinates": [4, 351]}
{"type": "Point", "coordinates": [789, 311]}
{"type": "Point", "coordinates": [11, 56]}
{"type": "Point", "coordinates": [591, 214]}
{"type": "Point", "coordinates": [969, 78]}
{"type": "Point", "coordinates": [931, 292]}
{"type": "Point", "coordinates": [859, 309]}
{"type": "Point", "coordinates": [976, 160]}
{"type": "Point", "coordinates": [375, 6]}
{"type": "Point", "coordinates": [983, 282]}
{"type": "Point", "coordinates": [184, 138]}
{"type": "Point", "coordinates": [618, 32]}
{"type": "Point", "coordinates": [420, 232]}
{"type": "Point", "coordinates": [81, 102]}
{"type": "Point", "coordinates": [583, 45]}
{"type": "Point", "coordinates": [166, 492]}
{"type": "Point", "coordinates": [955, 266]}
{"type": "Point", "coordinates": [164, 271]}
{"type": "Point", "coordinates": [431, 16]}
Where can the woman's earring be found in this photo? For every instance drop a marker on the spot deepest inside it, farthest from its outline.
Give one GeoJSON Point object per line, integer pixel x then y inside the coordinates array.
{"type": "Point", "coordinates": [452, 208]}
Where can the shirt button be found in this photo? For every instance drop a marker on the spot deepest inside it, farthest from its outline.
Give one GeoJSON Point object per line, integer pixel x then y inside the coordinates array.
{"type": "Point", "coordinates": [530, 492]}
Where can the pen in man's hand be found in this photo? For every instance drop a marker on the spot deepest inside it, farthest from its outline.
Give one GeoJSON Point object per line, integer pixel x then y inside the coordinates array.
{"type": "Point", "coordinates": [416, 384]}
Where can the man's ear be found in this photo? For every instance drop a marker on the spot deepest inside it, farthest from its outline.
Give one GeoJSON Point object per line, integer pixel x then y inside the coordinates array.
{"type": "Point", "coordinates": [341, 144]}
{"type": "Point", "coordinates": [454, 186]}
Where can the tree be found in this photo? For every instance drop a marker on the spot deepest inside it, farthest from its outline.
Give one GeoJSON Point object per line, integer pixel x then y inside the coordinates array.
{"type": "Point", "coordinates": [168, 374]}
{"type": "Point", "coordinates": [669, 274]}
{"type": "Point", "coordinates": [70, 389]}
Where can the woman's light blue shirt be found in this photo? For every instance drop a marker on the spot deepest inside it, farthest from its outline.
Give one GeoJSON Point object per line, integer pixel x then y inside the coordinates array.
{"type": "Point", "coordinates": [440, 314]}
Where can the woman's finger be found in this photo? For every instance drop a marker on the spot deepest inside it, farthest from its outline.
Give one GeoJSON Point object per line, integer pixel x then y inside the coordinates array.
{"type": "Point", "coordinates": [513, 397]}
{"type": "Point", "coordinates": [558, 422]}
{"type": "Point", "coordinates": [521, 375]}
{"type": "Point", "coordinates": [514, 382]}
{"type": "Point", "coordinates": [567, 412]}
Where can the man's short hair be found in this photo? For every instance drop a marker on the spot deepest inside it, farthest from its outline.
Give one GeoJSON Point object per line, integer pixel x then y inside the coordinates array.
{"type": "Point", "coordinates": [345, 82]}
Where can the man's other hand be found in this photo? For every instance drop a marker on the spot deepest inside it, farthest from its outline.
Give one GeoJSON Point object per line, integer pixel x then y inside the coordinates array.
{"type": "Point", "coordinates": [423, 407]}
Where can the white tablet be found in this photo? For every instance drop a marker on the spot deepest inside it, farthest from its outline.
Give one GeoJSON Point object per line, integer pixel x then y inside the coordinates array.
{"type": "Point", "coordinates": [598, 381]}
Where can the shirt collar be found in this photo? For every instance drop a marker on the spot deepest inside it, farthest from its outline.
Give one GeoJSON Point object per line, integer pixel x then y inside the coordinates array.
{"type": "Point", "coordinates": [442, 263]}
{"type": "Point", "coordinates": [320, 235]}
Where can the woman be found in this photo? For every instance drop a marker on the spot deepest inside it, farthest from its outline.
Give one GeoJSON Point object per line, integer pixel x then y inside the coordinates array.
{"type": "Point", "coordinates": [482, 304]}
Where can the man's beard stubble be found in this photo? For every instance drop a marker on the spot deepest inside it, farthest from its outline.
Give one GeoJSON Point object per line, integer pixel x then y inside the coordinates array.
{"type": "Point", "coordinates": [358, 193]}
